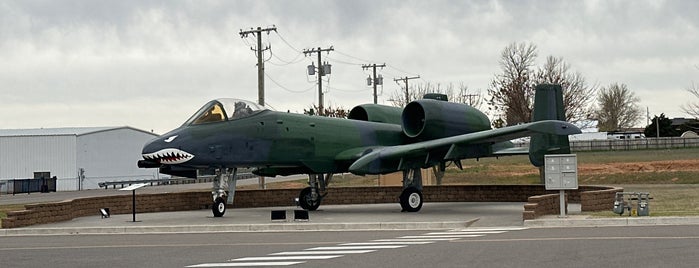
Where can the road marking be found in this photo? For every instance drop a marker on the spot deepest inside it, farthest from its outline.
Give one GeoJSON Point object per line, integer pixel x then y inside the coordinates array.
{"type": "Point", "coordinates": [414, 239]}
{"type": "Point", "coordinates": [582, 238]}
{"type": "Point", "coordinates": [440, 236]}
{"type": "Point", "coordinates": [324, 252]}
{"type": "Point", "coordinates": [467, 232]}
{"type": "Point", "coordinates": [492, 229]}
{"type": "Point", "coordinates": [388, 243]}
{"type": "Point", "coordinates": [245, 264]}
{"type": "Point", "coordinates": [358, 247]}
{"type": "Point", "coordinates": [287, 258]}
{"type": "Point", "coordinates": [330, 252]}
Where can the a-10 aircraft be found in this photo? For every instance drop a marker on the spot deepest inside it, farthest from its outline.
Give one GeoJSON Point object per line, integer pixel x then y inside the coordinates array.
{"type": "Point", "coordinates": [226, 134]}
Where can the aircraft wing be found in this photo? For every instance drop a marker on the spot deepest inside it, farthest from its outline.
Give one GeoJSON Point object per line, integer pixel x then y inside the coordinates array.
{"type": "Point", "coordinates": [416, 155]}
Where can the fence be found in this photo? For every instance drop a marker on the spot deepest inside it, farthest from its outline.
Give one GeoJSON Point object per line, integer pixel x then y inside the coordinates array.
{"type": "Point", "coordinates": [629, 144]}
{"type": "Point", "coordinates": [634, 144]}
{"type": "Point", "coordinates": [19, 186]}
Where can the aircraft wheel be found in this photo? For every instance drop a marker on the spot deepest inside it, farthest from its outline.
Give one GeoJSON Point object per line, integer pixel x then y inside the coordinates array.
{"type": "Point", "coordinates": [219, 207]}
{"type": "Point", "coordinates": [306, 200]}
{"type": "Point", "coordinates": [411, 200]}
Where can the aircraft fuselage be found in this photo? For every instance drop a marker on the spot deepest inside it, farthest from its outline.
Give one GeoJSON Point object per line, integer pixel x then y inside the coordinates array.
{"type": "Point", "coordinates": [277, 143]}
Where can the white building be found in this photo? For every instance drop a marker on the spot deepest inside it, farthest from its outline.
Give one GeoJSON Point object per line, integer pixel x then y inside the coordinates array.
{"type": "Point", "coordinates": [98, 153]}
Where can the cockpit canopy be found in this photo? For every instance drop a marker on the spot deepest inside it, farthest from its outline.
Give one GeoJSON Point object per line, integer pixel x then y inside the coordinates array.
{"type": "Point", "coordinates": [224, 109]}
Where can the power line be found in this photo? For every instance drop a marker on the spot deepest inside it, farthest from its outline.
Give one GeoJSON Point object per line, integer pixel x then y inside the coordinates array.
{"type": "Point", "coordinates": [295, 60]}
{"type": "Point", "coordinates": [287, 43]}
{"type": "Point", "coordinates": [393, 67]}
{"type": "Point", "coordinates": [287, 89]}
{"type": "Point", "coordinates": [343, 62]}
{"type": "Point", "coordinates": [350, 56]}
{"type": "Point", "coordinates": [346, 90]}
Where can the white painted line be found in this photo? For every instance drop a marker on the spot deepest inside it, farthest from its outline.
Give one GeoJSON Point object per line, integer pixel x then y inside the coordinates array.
{"type": "Point", "coordinates": [357, 247]}
{"type": "Point", "coordinates": [492, 229]}
{"type": "Point", "coordinates": [324, 252]}
{"type": "Point", "coordinates": [467, 232]}
{"type": "Point", "coordinates": [245, 264]}
{"type": "Point", "coordinates": [440, 236]}
{"type": "Point", "coordinates": [388, 243]}
{"type": "Point", "coordinates": [287, 258]}
{"type": "Point", "coordinates": [414, 239]}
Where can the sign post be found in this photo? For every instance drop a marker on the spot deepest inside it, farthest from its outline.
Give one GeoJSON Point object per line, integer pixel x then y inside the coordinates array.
{"type": "Point", "coordinates": [133, 201]}
{"type": "Point", "coordinates": [561, 173]}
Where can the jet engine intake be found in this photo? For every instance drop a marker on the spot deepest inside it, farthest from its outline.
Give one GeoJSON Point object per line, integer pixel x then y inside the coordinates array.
{"type": "Point", "coordinates": [428, 119]}
{"type": "Point", "coordinates": [376, 113]}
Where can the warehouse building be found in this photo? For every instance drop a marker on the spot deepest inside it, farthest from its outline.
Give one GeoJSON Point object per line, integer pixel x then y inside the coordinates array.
{"type": "Point", "coordinates": [79, 158]}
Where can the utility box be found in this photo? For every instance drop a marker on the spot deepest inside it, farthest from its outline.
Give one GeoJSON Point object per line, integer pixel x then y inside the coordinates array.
{"type": "Point", "coordinates": [561, 171]}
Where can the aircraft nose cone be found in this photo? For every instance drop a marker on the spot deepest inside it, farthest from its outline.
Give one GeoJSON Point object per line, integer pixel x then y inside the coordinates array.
{"type": "Point", "coordinates": [166, 150]}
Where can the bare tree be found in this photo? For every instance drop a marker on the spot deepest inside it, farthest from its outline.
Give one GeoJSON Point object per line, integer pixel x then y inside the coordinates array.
{"type": "Point", "coordinates": [328, 111]}
{"type": "Point", "coordinates": [512, 92]}
{"type": "Point", "coordinates": [618, 108]}
{"type": "Point", "coordinates": [692, 108]}
{"type": "Point", "coordinates": [578, 97]}
{"type": "Point", "coordinates": [460, 94]}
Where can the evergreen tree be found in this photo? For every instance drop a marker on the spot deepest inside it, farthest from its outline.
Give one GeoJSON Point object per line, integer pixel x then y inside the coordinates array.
{"type": "Point", "coordinates": [666, 129]}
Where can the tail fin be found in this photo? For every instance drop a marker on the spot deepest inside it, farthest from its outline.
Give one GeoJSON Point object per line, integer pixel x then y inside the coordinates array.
{"type": "Point", "coordinates": [548, 105]}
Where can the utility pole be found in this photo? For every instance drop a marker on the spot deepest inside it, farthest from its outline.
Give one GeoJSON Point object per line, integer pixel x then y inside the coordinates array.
{"type": "Point", "coordinates": [375, 80]}
{"type": "Point", "coordinates": [260, 72]}
{"type": "Point", "coordinates": [322, 71]}
{"type": "Point", "coordinates": [260, 61]}
{"type": "Point", "coordinates": [405, 80]}
{"type": "Point", "coordinates": [470, 98]}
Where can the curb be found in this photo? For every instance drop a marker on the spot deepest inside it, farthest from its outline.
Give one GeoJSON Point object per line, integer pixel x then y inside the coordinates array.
{"type": "Point", "coordinates": [273, 227]}
{"type": "Point", "coordinates": [574, 221]}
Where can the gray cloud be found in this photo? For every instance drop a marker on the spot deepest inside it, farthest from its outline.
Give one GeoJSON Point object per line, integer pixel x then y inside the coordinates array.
{"type": "Point", "coordinates": [150, 64]}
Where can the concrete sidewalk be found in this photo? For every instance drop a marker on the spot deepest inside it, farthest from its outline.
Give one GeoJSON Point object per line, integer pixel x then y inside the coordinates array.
{"type": "Point", "coordinates": [335, 218]}
{"type": "Point", "coordinates": [327, 218]}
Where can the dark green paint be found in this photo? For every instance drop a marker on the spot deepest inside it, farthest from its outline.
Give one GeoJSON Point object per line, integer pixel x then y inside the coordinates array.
{"type": "Point", "coordinates": [427, 133]}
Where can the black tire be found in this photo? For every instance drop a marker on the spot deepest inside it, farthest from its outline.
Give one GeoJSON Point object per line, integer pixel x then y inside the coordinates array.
{"type": "Point", "coordinates": [306, 200]}
{"type": "Point", "coordinates": [219, 207]}
{"type": "Point", "coordinates": [411, 200]}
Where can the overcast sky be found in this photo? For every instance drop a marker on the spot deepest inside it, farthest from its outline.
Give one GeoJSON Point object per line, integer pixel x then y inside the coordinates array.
{"type": "Point", "coordinates": [151, 64]}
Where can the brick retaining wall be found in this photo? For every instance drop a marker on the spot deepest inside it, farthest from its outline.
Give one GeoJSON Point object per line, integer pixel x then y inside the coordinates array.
{"type": "Point", "coordinates": [591, 197]}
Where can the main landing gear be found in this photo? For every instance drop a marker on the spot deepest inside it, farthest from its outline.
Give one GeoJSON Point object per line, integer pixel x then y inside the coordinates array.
{"type": "Point", "coordinates": [411, 197]}
{"type": "Point", "coordinates": [311, 196]}
{"type": "Point", "coordinates": [222, 197]}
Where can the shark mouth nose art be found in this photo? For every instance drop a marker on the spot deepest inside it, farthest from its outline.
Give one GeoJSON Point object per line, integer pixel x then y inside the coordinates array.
{"type": "Point", "coordinates": [169, 156]}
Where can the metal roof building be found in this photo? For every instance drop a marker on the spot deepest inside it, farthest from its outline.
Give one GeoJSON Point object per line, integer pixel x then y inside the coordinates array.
{"type": "Point", "coordinates": [80, 158]}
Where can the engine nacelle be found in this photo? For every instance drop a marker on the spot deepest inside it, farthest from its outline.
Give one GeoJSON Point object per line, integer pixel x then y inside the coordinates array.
{"type": "Point", "coordinates": [376, 113]}
{"type": "Point", "coordinates": [428, 119]}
